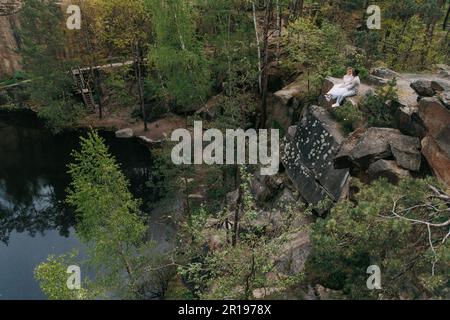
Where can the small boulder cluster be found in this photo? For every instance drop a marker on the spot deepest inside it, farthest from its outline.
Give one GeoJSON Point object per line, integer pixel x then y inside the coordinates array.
{"type": "Point", "coordinates": [380, 152]}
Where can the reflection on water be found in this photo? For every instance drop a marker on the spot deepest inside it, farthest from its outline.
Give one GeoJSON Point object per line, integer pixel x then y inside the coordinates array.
{"type": "Point", "coordinates": [22, 255]}
{"type": "Point", "coordinates": [40, 210]}
{"type": "Point", "coordinates": [34, 220]}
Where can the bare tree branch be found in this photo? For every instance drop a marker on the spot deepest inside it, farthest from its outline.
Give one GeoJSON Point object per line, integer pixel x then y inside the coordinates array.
{"type": "Point", "coordinates": [437, 194]}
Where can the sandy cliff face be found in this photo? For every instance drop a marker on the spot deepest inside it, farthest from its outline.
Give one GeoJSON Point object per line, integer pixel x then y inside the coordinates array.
{"type": "Point", "coordinates": [9, 59]}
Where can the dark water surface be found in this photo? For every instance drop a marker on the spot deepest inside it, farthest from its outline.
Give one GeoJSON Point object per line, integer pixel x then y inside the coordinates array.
{"type": "Point", "coordinates": [34, 220]}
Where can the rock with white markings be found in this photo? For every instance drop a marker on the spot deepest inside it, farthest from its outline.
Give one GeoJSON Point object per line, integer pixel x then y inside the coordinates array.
{"type": "Point", "coordinates": [308, 157]}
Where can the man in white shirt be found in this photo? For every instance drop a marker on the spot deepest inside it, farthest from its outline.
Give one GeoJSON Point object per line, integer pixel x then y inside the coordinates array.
{"type": "Point", "coordinates": [351, 89]}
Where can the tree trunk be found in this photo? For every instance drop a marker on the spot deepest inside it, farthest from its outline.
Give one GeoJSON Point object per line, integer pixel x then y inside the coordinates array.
{"type": "Point", "coordinates": [279, 23]}
{"type": "Point", "coordinates": [309, 82]}
{"type": "Point", "coordinates": [187, 207]}
{"type": "Point", "coordinates": [446, 21]}
{"type": "Point", "coordinates": [386, 35]}
{"type": "Point", "coordinates": [408, 52]}
{"type": "Point", "coordinates": [265, 79]}
{"type": "Point", "coordinates": [297, 9]}
{"type": "Point", "coordinates": [400, 40]}
{"type": "Point", "coordinates": [248, 279]}
{"type": "Point", "coordinates": [98, 89]}
{"type": "Point", "coordinates": [138, 74]}
{"type": "Point", "coordinates": [428, 40]}
{"type": "Point", "coordinates": [237, 210]}
{"type": "Point", "coordinates": [258, 46]}
{"type": "Point", "coordinates": [364, 15]}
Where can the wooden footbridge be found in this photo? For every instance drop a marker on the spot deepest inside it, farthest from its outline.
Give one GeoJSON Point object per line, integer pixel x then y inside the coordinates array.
{"type": "Point", "coordinates": [81, 82]}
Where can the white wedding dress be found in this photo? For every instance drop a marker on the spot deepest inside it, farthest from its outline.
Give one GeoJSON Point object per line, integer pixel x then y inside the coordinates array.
{"type": "Point", "coordinates": [340, 89]}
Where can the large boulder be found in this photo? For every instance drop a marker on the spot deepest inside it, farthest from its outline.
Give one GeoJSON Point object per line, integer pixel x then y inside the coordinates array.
{"type": "Point", "coordinates": [293, 254]}
{"type": "Point", "coordinates": [308, 157]}
{"type": "Point", "coordinates": [406, 152]}
{"type": "Point", "coordinates": [295, 90]}
{"type": "Point", "coordinates": [286, 198]}
{"type": "Point", "coordinates": [423, 88]}
{"type": "Point", "coordinates": [264, 188]}
{"type": "Point", "coordinates": [437, 154]}
{"type": "Point", "coordinates": [412, 88]}
{"type": "Point", "coordinates": [407, 96]}
{"type": "Point", "coordinates": [384, 73]}
{"type": "Point", "coordinates": [443, 140]}
{"type": "Point", "coordinates": [125, 133]}
{"type": "Point", "coordinates": [407, 115]}
{"type": "Point", "coordinates": [211, 109]}
{"type": "Point", "coordinates": [444, 70]}
{"type": "Point", "coordinates": [260, 190]}
{"type": "Point", "coordinates": [381, 76]}
{"type": "Point", "coordinates": [376, 144]}
{"type": "Point", "coordinates": [372, 146]}
{"type": "Point", "coordinates": [284, 105]}
{"type": "Point", "coordinates": [272, 219]}
{"type": "Point", "coordinates": [439, 85]}
{"type": "Point", "coordinates": [387, 169]}
{"type": "Point", "coordinates": [409, 122]}
{"type": "Point", "coordinates": [434, 115]}
{"type": "Point", "coordinates": [343, 159]}
{"type": "Point", "coordinates": [444, 96]}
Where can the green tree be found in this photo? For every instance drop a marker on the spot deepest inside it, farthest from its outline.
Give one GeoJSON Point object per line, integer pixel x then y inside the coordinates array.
{"type": "Point", "coordinates": [401, 228]}
{"type": "Point", "coordinates": [181, 67]}
{"type": "Point", "coordinates": [52, 276]}
{"type": "Point", "coordinates": [124, 28]}
{"type": "Point", "coordinates": [315, 48]}
{"type": "Point", "coordinates": [110, 223]}
{"type": "Point", "coordinates": [110, 220]}
{"type": "Point", "coordinates": [243, 261]}
{"type": "Point", "coordinates": [51, 87]}
{"type": "Point", "coordinates": [229, 35]}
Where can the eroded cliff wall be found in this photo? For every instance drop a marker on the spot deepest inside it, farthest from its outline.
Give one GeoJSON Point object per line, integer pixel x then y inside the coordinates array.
{"type": "Point", "coordinates": [9, 58]}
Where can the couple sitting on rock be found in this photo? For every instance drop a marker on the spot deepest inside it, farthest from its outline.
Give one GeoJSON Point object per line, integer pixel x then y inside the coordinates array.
{"type": "Point", "coordinates": [348, 88]}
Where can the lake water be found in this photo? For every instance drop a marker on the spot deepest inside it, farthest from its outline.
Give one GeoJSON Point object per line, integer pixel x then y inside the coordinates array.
{"type": "Point", "coordinates": [34, 220]}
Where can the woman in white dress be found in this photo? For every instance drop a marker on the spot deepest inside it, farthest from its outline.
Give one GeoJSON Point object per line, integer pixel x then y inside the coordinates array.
{"type": "Point", "coordinates": [340, 89]}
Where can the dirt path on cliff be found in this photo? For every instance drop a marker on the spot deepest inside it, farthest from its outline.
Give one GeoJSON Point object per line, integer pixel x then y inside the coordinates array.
{"type": "Point", "coordinates": [120, 118]}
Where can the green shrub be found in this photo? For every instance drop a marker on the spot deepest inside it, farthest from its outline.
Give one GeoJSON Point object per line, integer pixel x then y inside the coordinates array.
{"type": "Point", "coordinates": [338, 71]}
{"type": "Point", "coordinates": [380, 112]}
{"type": "Point", "coordinates": [60, 115]}
{"type": "Point", "coordinates": [117, 83]}
{"type": "Point", "coordinates": [348, 116]}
